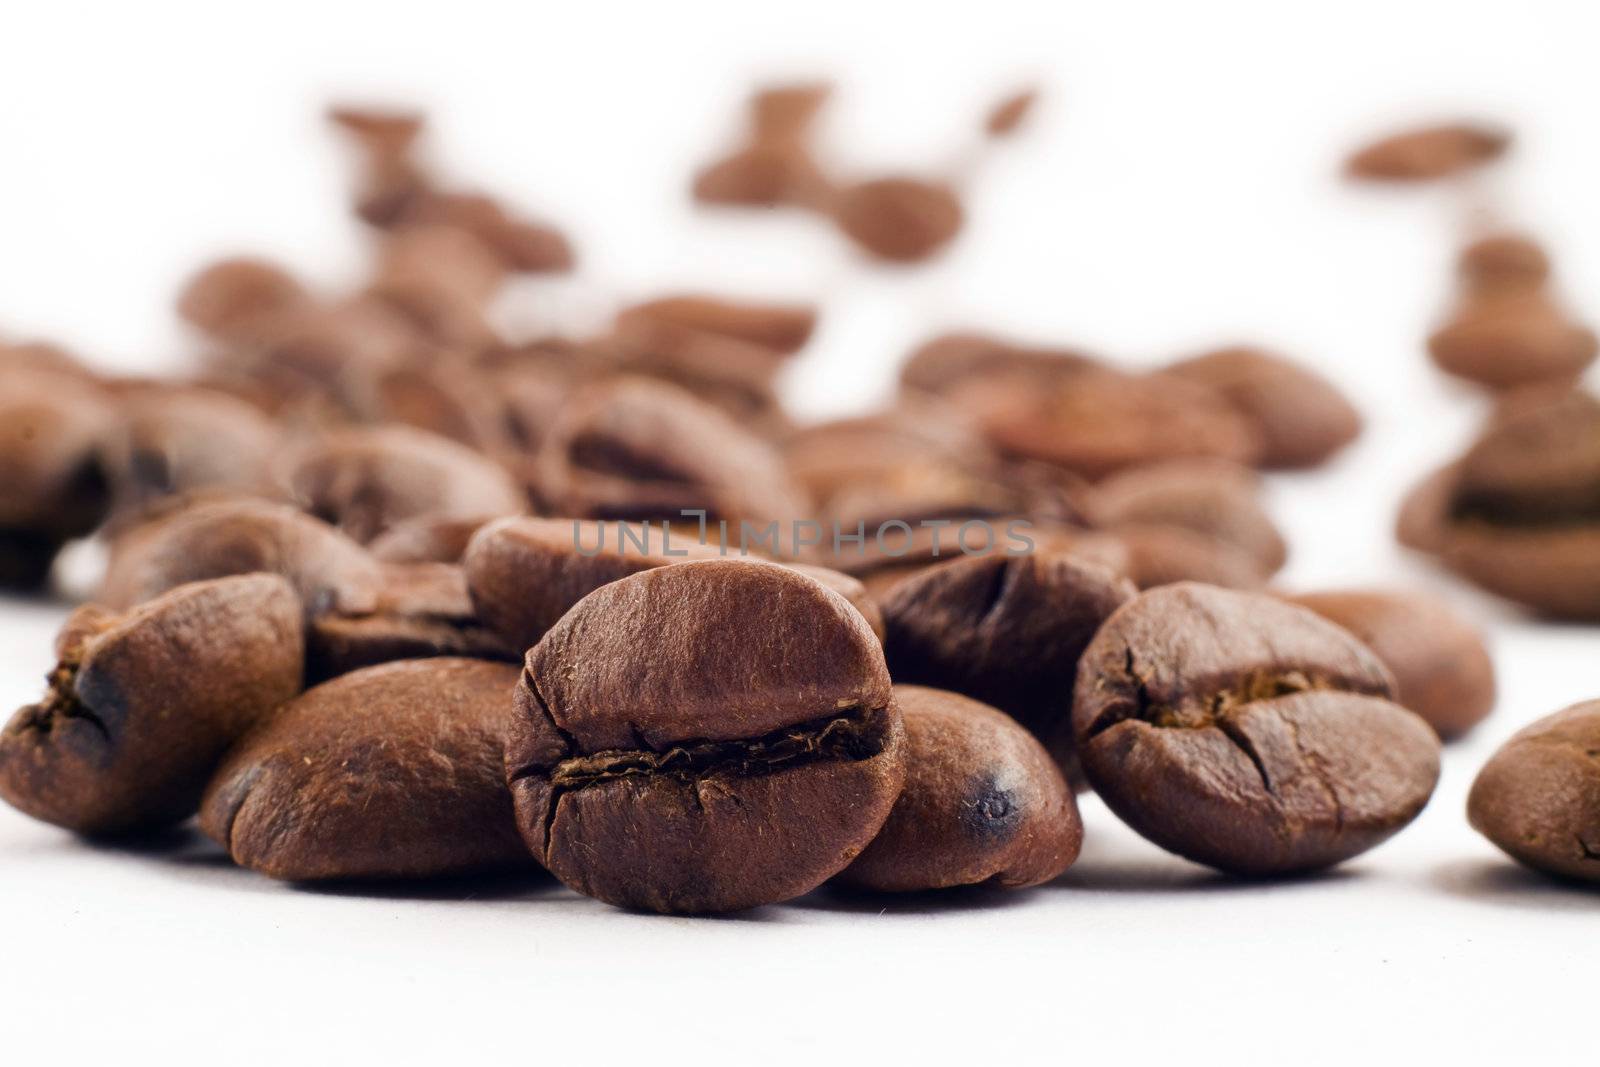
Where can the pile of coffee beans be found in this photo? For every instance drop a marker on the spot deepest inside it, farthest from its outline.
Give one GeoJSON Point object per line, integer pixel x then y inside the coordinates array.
{"type": "Point", "coordinates": [389, 593]}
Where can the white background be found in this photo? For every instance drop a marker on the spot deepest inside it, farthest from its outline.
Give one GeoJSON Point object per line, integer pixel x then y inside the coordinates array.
{"type": "Point", "coordinates": [1178, 188]}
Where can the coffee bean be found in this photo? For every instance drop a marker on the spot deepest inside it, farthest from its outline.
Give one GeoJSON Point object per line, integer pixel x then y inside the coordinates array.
{"type": "Point", "coordinates": [704, 737]}
{"type": "Point", "coordinates": [390, 772]}
{"type": "Point", "coordinates": [1010, 113]}
{"type": "Point", "coordinates": [1505, 340]}
{"type": "Point", "coordinates": [427, 539]}
{"type": "Point", "coordinates": [1099, 421]}
{"type": "Point", "coordinates": [774, 166]}
{"type": "Point", "coordinates": [217, 538]}
{"type": "Point", "coordinates": [1004, 630]}
{"type": "Point", "coordinates": [232, 300]}
{"type": "Point", "coordinates": [1425, 510]}
{"type": "Point", "coordinates": [1504, 262]}
{"type": "Point", "coordinates": [1519, 514]}
{"type": "Point", "coordinates": [782, 328]}
{"type": "Point", "coordinates": [1217, 500]}
{"type": "Point", "coordinates": [982, 804]}
{"type": "Point", "coordinates": [1538, 797]}
{"type": "Point", "coordinates": [899, 219]}
{"type": "Point", "coordinates": [1301, 418]}
{"type": "Point", "coordinates": [1440, 663]}
{"type": "Point", "coordinates": [735, 375]}
{"type": "Point", "coordinates": [1428, 153]}
{"type": "Point", "coordinates": [636, 449]}
{"type": "Point", "coordinates": [423, 610]}
{"type": "Point", "coordinates": [1246, 733]}
{"type": "Point", "coordinates": [852, 590]}
{"type": "Point", "coordinates": [828, 457]}
{"type": "Point", "coordinates": [141, 706]}
{"type": "Point", "coordinates": [1162, 553]}
{"type": "Point", "coordinates": [175, 440]}
{"type": "Point", "coordinates": [366, 480]}
{"type": "Point", "coordinates": [947, 364]}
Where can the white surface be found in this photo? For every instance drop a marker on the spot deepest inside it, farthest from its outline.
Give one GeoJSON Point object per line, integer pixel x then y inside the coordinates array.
{"type": "Point", "coordinates": [1177, 189]}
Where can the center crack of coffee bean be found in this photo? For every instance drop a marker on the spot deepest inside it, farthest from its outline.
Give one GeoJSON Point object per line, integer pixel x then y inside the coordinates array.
{"type": "Point", "coordinates": [842, 737]}
{"type": "Point", "coordinates": [61, 702]}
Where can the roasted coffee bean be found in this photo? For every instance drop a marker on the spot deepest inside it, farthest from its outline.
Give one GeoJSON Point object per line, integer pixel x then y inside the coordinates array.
{"type": "Point", "coordinates": [774, 166]}
{"type": "Point", "coordinates": [1538, 797]}
{"type": "Point", "coordinates": [1099, 421]}
{"type": "Point", "coordinates": [1425, 511]}
{"type": "Point", "coordinates": [735, 375]}
{"type": "Point", "coordinates": [423, 610]}
{"type": "Point", "coordinates": [216, 538]}
{"type": "Point", "coordinates": [233, 300]}
{"type": "Point", "coordinates": [827, 457]}
{"type": "Point", "coordinates": [948, 363]}
{"type": "Point", "coordinates": [1502, 263]}
{"type": "Point", "coordinates": [141, 706]}
{"type": "Point", "coordinates": [1440, 663]}
{"type": "Point", "coordinates": [366, 480]}
{"type": "Point", "coordinates": [983, 804]}
{"type": "Point", "coordinates": [931, 547]}
{"type": "Point", "coordinates": [1300, 416]}
{"type": "Point", "coordinates": [637, 449]}
{"type": "Point", "coordinates": [1162, 553]}
{"type": "Point", "coordinates": [1503, 341]}
{"type": "Point", "coordinates": [323, 351]}
{"type": "Point", "coordinates": [853, 590]}
{"type": "Point", "coordinates": [175, 440]}
{"type": "Point", "coordinates": [1519, 514]}
{"type": "Point", "coordinates": [704, 737]}
{"type": "Point", "coordinates": [427, 539]}
{"type": "Point", "coordinates": [1246, 733]}
{"type": "Point", "coordinates": [1429, 152]}
{"type": "Point", "coordinates": [1006, 630]}
{"type": "Point", "coordinates": [390, 772]}
{"type": "Point", "coordinates": [51, 426]}
{"type": "Point", "coordinates": [899, 219]}
{"type": "Point", "coordinates": [1218, 500]}
{"type": "Point", "coordinates": [1010, 113]}
{"type": "Point", "coordinates": [783, 328]}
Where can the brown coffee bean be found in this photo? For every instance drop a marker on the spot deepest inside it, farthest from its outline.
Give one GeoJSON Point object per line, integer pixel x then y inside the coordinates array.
{"type": "Point", "coordinates": [636, 449]}
{"type": "Point", "coordinates": [705, 737]}
{"type": "Point", "coordinates": [1425, 510]}
{"type": "Point", "coordinates": [423, 610]}
{"type": "Point", "coordinates": [142, 706]}
{"type": "Point", "coordinates": [1300, 416]}
{"type": "Point", "coordinates": [366, 480]}
{"type": "Point", "coordinates": [217, 538]}
{"type": "Point", "coordinates": [1099, 421]}
{"type": "Point", "coordinates": [390, 772]}
{"type": "Point", "coordinates": [946, 364]}
{"type": "Point", "coordinates": [1538, 797]}
{"type": "Point", "coordinates": [1428, 153]}
{"type": "Point", "coordinates": [1504, 262]}
{"type": "Point", "coordinates": [1520, 513]}
{"type": "Point", "coordinates": [899, 219]}
{"type": "Point", "coordinates": [523, 246]}
{"type": "Point", "coordinates": [174, 440]}
{"type": "Point", "coordinates": [735, 375]}
{"type": "Point", "coordinates": [1504, 340]}
{"type": "Point", "coordinates": [1440, 663]}
{"type": "Point", "coordinates": [427, 539]}
{"type": "Point", "coordinates": [1215, 499]}
{"type": "Point", "coordinates": [1010, 113]}
{"type": "Point", "coordinates": [774, 166]}
{"type": "Point", "coordinates": [323, 351]}
{"type": "Point", "coordinates": [851, 589]}
{"type": "Point", "coordinates": [233, 300]}
{"type": "Point", "coordinates": [786, 112]}
{"type": "Point", "coordinates": [1161, 554]}
{"type": "Point", "coordinates": [982, 804]}
{"type": "Point", "coordinates": [1006, 630]}
{"type": "Point", "coordinates": [1246, 733]}
{"type": "Point", "coordinates": [51, 426]}
{"type": "Point", "coordinates": [827, 457]}
{"type": "Point", "coordinates": [783, 328]}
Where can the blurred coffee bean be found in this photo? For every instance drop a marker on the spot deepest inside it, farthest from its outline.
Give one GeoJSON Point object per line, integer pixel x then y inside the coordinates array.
{"type": "Point", "coordinates": [828, 457]}
{"type": "Point", "coordinates": [1440, 663]}
{"type": "Point", "coordinates": [783, 328]}
{"type": "Point", "coordinates": [946, 364]}
{"type": "Point", "coordinates": [366, 480]}
{"type": "Point", "coordinates": [1503, 340]}
{"type": "Point", "coordinates": [899, 219]}
{"type": "Point", "coordinates": [142, 706]}
{"type": "Point", "coordinates": [1301, 417]}
{"type": "Point", "coordinates": [1163, 553]}
{"type": "Point", "coordinates": [1503, 262]}
{"type": "Point", "coordinates": [52, 426]}
{"type": "Point", "coordinates": [188, 542]}
{"type": "Point", "coordinates": [177, 439]}
{"type": "Point", "coordinates": [1006, 630]}
{"type": "Point", "coordinates": [1246, 733]}
{"type": "Point", "coordinates": [773, 165]}
{"type": "Point", "coordinates": [1208, 497]}
{"type": "Point", "coordinates": [233, 300]}
{"type": "Point", "coordinates": [982, 805]}
{"type": "Point", "coordinates": [1010, 113]}
{"type": "Point", "coordinates": [638, 449]}
{"type": "Point", "coordinates": [1538, 797]}
{"type": "Point", "coordinates": [757, 756]}
{"type": "Point", "coordinates": [734, 375]}
{"type": "Point", "coordinates": [390, 772]}
{"type": "Point", "coordinates": [1428, 153]}
{"type": "Point", "coordinates": [427, 539]}
{"type": "Point", "coordinates": [1099, 421]}
{"type": "Point", "coordinates": [422, 610]}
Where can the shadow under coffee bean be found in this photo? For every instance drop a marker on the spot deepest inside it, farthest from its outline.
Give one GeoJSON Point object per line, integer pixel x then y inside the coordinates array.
{"type": "Point", "coordinates": [1246, 733]}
